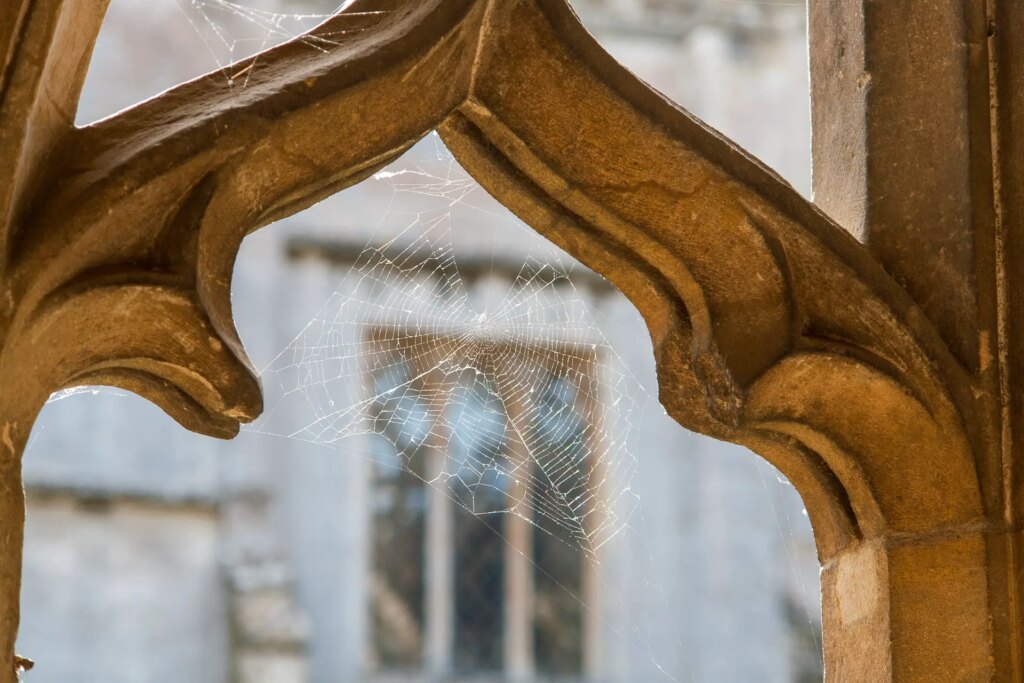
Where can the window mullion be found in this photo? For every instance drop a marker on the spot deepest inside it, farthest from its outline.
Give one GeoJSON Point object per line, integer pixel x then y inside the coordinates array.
{"type": "Point", "coordinates": [519, 587]}
{"type": "Point", "coordinates": [439, 641]}
{"type": "Point", "coordinates": [595, 414]}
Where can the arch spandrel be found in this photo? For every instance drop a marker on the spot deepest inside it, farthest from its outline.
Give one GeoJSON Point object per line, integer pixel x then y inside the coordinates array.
{"type": "Point", "coordinates": [771, 326]}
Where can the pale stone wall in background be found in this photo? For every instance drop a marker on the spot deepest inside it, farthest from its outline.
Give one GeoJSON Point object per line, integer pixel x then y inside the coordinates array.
{"type": "Point", "coordinates": [122, 591]}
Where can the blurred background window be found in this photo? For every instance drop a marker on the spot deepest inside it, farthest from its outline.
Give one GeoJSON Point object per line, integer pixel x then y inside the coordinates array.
{"type": "Point", "coordinates": [493, 448]}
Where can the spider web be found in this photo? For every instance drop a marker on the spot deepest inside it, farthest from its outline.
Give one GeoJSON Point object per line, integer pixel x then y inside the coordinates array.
{"type": "Point", "coordinates": [490, 382]}
{"type": "Point", "coordinates": [507, 377]}
{"type": "Point", "coordinates": [443, 373]}
{"type": "Point", "coordinates": [480, 370]}
{"type": "Point", "coordinates": [232, 31]}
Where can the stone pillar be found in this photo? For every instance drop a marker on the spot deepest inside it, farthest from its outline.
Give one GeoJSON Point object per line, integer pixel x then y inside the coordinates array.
{"type": "Point", "coordinates": [916, 111]}
{"type": "Point", "coordinates": [12, 514]}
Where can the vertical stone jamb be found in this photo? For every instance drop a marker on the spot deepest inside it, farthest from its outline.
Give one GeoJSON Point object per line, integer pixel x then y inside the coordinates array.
{"type": "Point", "coordinates": [892, 145]}
{"type": "Point", "coordinates": [13, 436]}
{"type": "Point", "coordinates": [905, 121]}
{"type": "Point", "coordinates": [1005, 24]}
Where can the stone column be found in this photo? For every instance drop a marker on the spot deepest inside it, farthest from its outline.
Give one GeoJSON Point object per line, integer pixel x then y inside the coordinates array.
{"type": "Point", "coordinates": [916, 111]}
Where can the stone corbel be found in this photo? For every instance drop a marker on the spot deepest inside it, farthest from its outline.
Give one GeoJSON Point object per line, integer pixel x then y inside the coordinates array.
{"type": "Point", "coordinates": [772, 326]}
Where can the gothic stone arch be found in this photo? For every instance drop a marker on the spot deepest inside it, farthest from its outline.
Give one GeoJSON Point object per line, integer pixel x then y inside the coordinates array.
{"type": "Point", "coordinates": [875, 360]}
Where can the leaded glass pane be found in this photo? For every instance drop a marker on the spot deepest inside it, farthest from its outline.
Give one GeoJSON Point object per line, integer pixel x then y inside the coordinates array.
{"type": "Point", "coordinates": [478, 480]}
{"type": "Point", "coordinates": [561, 453]}
{"type": "Point", "coordinates": [399, 511]}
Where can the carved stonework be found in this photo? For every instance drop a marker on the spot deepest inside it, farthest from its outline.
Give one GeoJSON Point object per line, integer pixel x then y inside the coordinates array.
{"type": "Point", "coordinates": [880, 376]}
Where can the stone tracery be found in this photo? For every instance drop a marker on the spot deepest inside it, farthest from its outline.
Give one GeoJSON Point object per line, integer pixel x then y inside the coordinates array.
{"type": "Point", "coordinates": [772, 326]}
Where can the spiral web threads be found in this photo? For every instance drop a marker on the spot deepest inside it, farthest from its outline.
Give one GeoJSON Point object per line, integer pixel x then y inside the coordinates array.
{"type": "Point", "coordinates": [525, 400]}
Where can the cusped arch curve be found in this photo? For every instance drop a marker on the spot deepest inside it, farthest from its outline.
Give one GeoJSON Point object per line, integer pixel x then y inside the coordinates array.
{"type": "Point", "coordinates": [731, 268]}
{"type": "Point", "coordinates": [757, 303]}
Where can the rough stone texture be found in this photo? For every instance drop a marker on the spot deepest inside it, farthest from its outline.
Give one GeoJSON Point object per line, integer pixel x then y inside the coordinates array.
{"type": "Point", "coordinates": [877, 377]}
